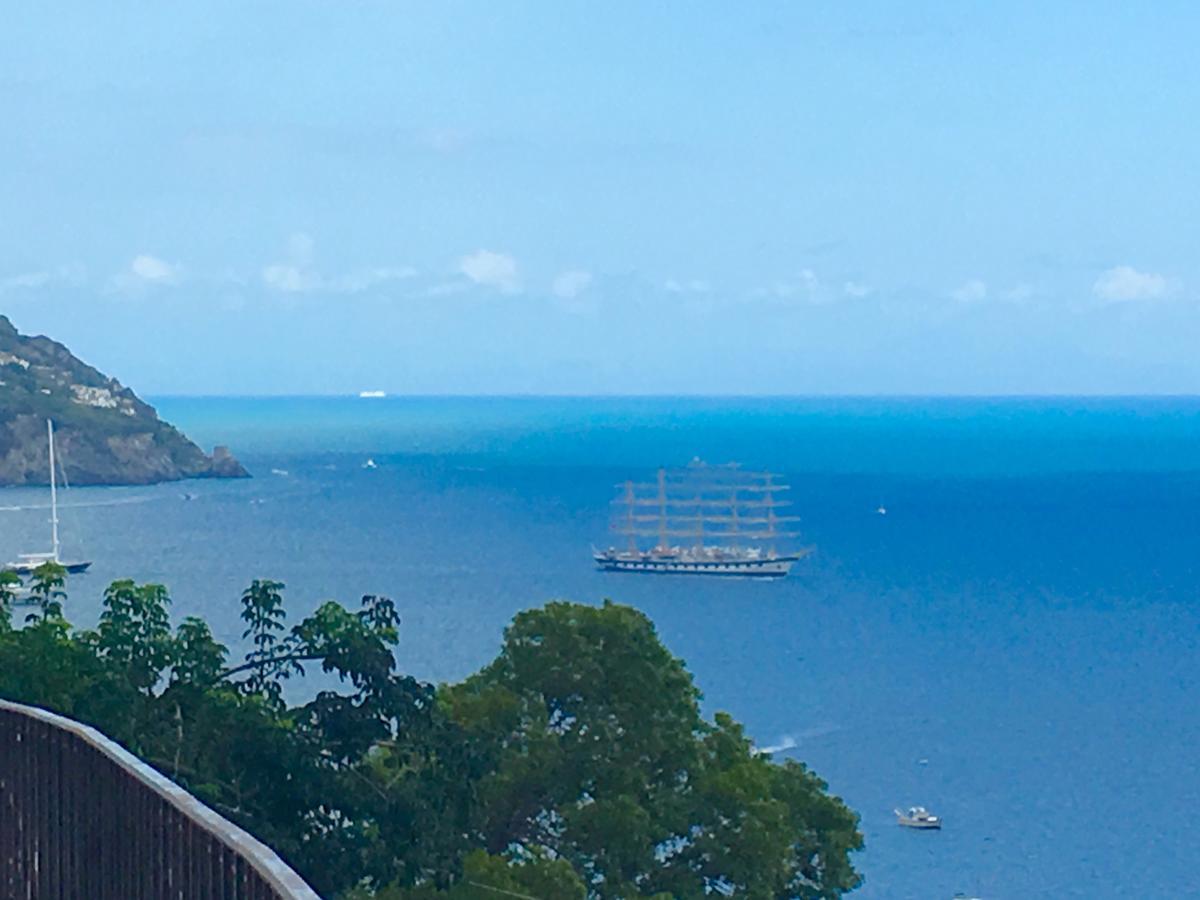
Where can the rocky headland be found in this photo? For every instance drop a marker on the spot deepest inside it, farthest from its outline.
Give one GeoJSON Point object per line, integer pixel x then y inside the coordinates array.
{"type": "Point", "coordinates": [103, 432]}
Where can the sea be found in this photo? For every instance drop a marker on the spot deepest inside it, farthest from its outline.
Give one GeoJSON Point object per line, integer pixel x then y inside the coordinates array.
{"type": "Point", "coordinates": [1012, 643]}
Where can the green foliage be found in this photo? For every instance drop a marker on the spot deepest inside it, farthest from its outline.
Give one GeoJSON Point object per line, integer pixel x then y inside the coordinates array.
{"type": "Point", "coordinates": [596, 753]}
{"type": "Point", "coordinates": [48, 580]}
{"type": "Point", "coordinates": [487, 877]}
{"type": "Point", "coordinates": [262, 611]}
{"type": "Point", "coordinates": [38, 383]}
{"type": "Point", "coordinates": [198, 659]}
{"type": "Point", "coordinates": [10, 583]}
{"type": "Point", "coordinates": [135, 633]}
{"type": "Point", "coordinates": [589, 726]}
{"type": "Point", "coordinates": [576, 765]}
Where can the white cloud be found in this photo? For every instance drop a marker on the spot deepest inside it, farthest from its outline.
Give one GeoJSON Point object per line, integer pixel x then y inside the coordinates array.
{"type": "Point", "coordinates": [144, 273]}
{"type": "Point", "coordinates": [290, 279]}
{"type": "Point", "coordinates": [152, 270]}
{"type": "Point", "coordinates": [972, 291]}
{"type": "Point", "coordinates": [1019, 293]}
{"type": "Point", "coordinates": [571, 284]}
{"type": "Point", "coordinates": [491, 269]}
{"type": "Point", "coordinates": [695, 286]}
{"type": "Point", "coordinates": [805, 288]}
{"type": "Point", "coordinates": [26, 280]}
{"type": "Point", "coordinates": [1123, 284]}
{"type": "Point", "coordinates": [445, 289]}
{"type": "Point", "coordinates": [30, 281]}
{"type": "Point", "coordinates": [365, 279]}
{"type": "Point", "coordinates": [855, 289]}
{"type": "Point", "coordinates": [298, 274]}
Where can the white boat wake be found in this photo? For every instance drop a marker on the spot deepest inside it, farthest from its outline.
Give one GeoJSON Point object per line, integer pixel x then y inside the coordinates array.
{"type": "Point", "coordinates": [124, 501]}
{"type": "Point", "coordinates": [792, 741]}
{"type": "Point", "coordinates": [786, 742]}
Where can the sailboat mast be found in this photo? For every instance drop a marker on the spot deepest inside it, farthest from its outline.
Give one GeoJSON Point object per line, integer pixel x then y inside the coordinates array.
{"type": "Point", "coordinates": [53, 493]}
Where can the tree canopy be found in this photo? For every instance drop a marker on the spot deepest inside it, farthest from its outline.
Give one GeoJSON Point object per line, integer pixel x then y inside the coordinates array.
{"type": "Point", "coordinates": [576, 764]}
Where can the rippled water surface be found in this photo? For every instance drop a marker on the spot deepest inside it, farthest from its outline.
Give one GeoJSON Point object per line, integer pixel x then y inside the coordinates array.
{"type": "Point", "coordinates": [1013, 644]}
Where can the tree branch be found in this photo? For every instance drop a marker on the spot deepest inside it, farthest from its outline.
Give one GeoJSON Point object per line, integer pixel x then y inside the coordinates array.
{"type": "Point", "coordinates": [259, 663]}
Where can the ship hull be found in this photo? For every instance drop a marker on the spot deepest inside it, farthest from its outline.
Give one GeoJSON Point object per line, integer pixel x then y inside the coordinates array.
{"type": "Point", "coordinates": [25, 569]}
{"type": "Point", "coordinates": [730, 568]}
{"type": "Point", "coordinates": [28, 568]}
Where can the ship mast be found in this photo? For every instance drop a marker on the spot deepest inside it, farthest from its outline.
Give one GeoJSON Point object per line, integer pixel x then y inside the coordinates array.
{"type": "Point", "coordinates": [629, 527]}
{"type": "Point", "coordinates": [718, 504]}
{"type": "Point", "coordinates": [734, 539]}
{"type": "Point", "coordinates": [53, 493]}
{"type": "Point", "coordinates": [769, 499]}
{"type": "Point", "coordinates": [662, 509]}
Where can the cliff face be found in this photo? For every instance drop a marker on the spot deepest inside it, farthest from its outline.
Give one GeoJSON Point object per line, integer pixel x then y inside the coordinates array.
{"type": "Point", "coordinates": [103, 433]}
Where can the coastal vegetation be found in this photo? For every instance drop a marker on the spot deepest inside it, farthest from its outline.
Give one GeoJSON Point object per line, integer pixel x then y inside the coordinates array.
{"type": "Point", "coordinates": [576, 764]}
{"type": "Point", "coordinates": [106, 434]}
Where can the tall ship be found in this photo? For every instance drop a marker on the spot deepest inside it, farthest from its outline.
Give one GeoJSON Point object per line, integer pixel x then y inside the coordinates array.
{"type": "Point", "coordinates": [703, 520]}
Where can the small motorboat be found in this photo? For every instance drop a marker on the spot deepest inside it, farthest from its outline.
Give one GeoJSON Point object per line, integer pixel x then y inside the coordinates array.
{"type": "Point", "coordinates": [370, 464]}
{"type": "Point", "coordinates": [918, 817]}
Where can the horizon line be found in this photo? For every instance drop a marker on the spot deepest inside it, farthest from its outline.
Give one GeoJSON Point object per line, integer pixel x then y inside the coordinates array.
{"type": "Point", "coordinates": [531, 395]}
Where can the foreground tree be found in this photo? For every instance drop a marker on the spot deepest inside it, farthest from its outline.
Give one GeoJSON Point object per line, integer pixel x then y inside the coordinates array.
{"type": "Point", "coordinates": [224, 731]}
{"type": "Point", "coordinates": [577, 764]}
{"type": "Point", "coordinates": [589, 748]}
{"type": "Point", "coordinates": [486, 877]}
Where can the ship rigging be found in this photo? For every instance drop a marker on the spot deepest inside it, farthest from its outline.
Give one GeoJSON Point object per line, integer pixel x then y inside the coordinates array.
{"type": "Point", "coordinates": [705, 520]}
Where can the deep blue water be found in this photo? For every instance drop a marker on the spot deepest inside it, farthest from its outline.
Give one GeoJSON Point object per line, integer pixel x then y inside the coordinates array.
{"type": "Point", "coordinates": [1012, 645]}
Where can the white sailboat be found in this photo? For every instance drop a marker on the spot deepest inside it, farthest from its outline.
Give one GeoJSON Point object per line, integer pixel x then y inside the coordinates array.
{"type": "Point", "coordinates": [26, 563]}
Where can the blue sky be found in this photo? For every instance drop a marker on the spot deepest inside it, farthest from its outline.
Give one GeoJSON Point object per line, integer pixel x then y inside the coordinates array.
{"type": "Point", "coordinates": [319, 197]}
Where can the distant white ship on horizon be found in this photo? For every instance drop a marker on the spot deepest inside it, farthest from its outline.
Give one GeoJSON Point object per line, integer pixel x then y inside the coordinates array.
{"type": "Point", "coordinates": [372, 394]}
